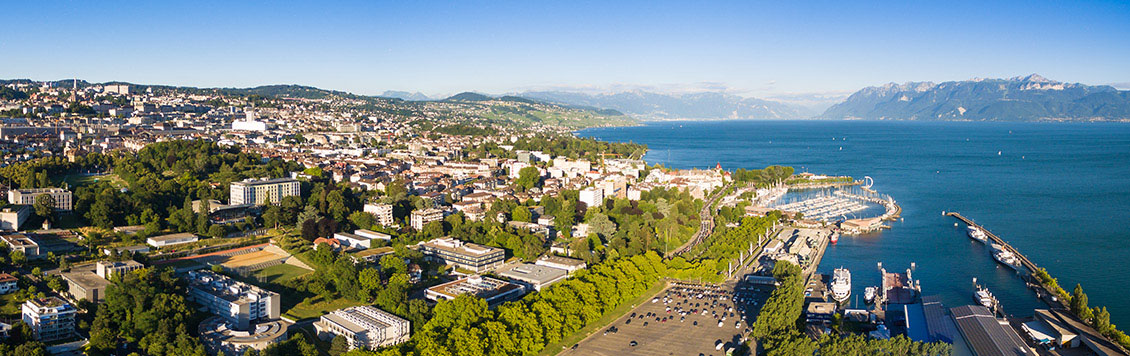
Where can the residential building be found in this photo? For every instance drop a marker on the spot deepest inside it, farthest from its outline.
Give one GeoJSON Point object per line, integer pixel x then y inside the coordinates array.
{"type": "Point", "coordinates": [534, 276]}
{"type": "Point", "coordinates": [363, 327]}
{"type": "Point", "coordinates": [592, 197]}
{"type": "Point", "coordinates": [27, 197]}
{"type": "Point", "coordinates": [239, 303]}
{"type": "Point", "coordinates": [12, 217]}
{"type": "Point", "coordinates": [383, 213]}
{"type": "Point", "coordinates": [8, 283]}
{"type": "Point", "coordinates": [470, 256]}
{"type": "Point", "coordinates": [492, 290]}
{"type": "Point", "coordinates": [421, 217]}
{"type": "Point", "coordinates": [172, 239]}
{"type": "Point", "coordinates": [261, 191]}
{"type": "Point", "coordinates": [50, 318]}
{"type": "Point", "coordinates": [22, 243]}
{"type": "Point", "coordinates": [107, 269]}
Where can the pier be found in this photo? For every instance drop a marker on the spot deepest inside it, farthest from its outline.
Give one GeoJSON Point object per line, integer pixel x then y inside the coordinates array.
{"type": "Point", "coordinates": [1031, 266]}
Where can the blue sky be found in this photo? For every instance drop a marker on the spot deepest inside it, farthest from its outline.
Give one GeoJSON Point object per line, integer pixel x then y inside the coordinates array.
{"type": "Point", "coordinates": [764, 49]}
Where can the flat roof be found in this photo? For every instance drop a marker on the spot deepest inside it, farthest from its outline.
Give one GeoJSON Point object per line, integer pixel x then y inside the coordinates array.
{"type": "Point", "coordinates": [939, 325]}
{"type": "Point", "coordinates": [86, 280]}
{"type": "Point", "coordinates": [248, 182]}
{"type": "Point", "coordinates": [986, 335]}
{"type": "Point", "coordinates": [529, 272]}
{"type": "Point", "coordinates": [562, 260]}
{"type": "Point", "coordinates": [485, 287]}
{"type": "Point", "coordinates": [177, 236]}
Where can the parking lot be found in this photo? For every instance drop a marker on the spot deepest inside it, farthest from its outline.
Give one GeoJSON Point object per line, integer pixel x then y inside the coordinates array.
{"type": "Point", "coordinates": [684, 319]}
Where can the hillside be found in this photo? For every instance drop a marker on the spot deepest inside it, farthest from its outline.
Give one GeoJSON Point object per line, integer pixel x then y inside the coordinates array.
{"type": "Point", "coordinates": [1029, 98]}
{"type": "Point", "coordinates": [650, 105]}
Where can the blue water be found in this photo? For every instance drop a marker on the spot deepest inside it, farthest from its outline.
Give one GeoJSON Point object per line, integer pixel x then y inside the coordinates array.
{"type": "Point", "coordinates": [1060, 193]}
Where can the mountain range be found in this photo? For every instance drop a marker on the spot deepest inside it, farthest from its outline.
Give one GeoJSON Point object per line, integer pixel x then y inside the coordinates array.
{"type": "Point", "coordinates": [1028, 98]}
{"type": "Point", "coordinates": [649, 105]}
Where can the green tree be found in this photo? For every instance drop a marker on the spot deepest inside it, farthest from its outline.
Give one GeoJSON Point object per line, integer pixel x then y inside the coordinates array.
{"type": "Point", "coordinates": [1102, 321]}
{"type": "Point", "coordinates": [45, 206]}
{"type": "Point", "coordinates": [338, 346]}
{"type": "Point", "coordinates": [521, 213]}
{"type": "Point", "coordinates": [1079, 303]}
{"type": "Point", "coordinates": [528, 177]}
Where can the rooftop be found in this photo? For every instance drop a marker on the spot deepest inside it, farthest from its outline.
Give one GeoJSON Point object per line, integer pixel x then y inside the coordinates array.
{"type": "Point", "coordinates": [460, 247]}
{"type": "Point", "coordinates": [986, 335]}
{"type": "Point", "coordinates": [533, 273]}
{"type": "Point", "coordinates": [482, 287]}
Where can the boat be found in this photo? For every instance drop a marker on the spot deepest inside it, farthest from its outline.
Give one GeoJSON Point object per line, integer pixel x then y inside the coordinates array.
{"type": "Point", "coordinates": [976, 234]}
{"type": "Point", "coordinates": [869, 294]}
{"type": "Point", "coordinates": [835, 237]}
{"type": "Point", "coordinates": [1008, 259]}
{"type": "Point", "coordinates": [841, 284]}
{"type": "Point", "coordinates": [983, 297]}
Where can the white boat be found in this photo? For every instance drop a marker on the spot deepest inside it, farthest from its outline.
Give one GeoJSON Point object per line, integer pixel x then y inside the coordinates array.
{"type": "Point", "coordinates": [983, 297]}
{"type": "Point", "coordinates": [841, 284]}
{"type": "Point", "coordinates": [976, 234]}
{"type": "Point", "coordinates": [869, 294]}
{"type": "Point", "coordinates": [1008, 259]}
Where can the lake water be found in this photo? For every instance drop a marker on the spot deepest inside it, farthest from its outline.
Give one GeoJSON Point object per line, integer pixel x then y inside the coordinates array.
{"type": "Point", "coordinates": [1060, 193]}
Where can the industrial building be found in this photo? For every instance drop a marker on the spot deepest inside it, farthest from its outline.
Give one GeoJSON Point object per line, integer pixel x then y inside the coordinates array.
{"type": "Point", "coordinates": [986, 335]}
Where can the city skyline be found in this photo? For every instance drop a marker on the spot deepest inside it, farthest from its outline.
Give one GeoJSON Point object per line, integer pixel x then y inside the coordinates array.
{"type": "Point", "coordinates": [768, 51]}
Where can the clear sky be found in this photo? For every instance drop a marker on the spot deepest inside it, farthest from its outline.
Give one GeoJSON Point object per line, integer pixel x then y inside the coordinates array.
{"type": "Point", "coordinates": [752, 48]}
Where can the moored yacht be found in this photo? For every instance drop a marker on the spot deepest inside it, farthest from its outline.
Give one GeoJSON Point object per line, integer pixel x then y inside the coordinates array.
{"type": "Point", "coordinates": [976, 234]}
{"type": "Point", "coordinates": [841, 284]}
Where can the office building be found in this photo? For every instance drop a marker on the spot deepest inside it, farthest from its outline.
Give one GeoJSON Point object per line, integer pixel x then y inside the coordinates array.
{"type": "Point", "coordinates": [363, 327]}
{"type": "Point", "coordinates": [50, 318]}
{"type": "Point", "coordinates": [218, 336]}
{"type": "Point", "coordinates": [570, 265]}
{"type": "Point", "coordinates": [263, 191]}
{"type": "Point", "coordinates": [239, 303]}
{"type": "Point", "coordinates": [383, 213]}
{"type": "Point", "coordinates": [27, 197]}
{"type": "Point", "coordinates": [421, 217]}
{"type": "Point", "coordinates": [592, 197]}
{"type": "Point", "coordinates": [492, 290]}
{"type": "Point", "coordinates": [107, 269]}
{"type": "Point", "coordinates": [534, 276]}
{"type": "Point", "coordinates": [470, 256]}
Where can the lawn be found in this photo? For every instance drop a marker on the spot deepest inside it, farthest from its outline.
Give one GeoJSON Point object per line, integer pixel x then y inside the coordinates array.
{"type": "Point", "coordinates": [317, 307]}
{"type": "Point", "coordinates": [280, 273]}
{"type": "Point", "coordinates": [608, 318]}
{"type": "Point", "coordinates": [9, 307]}
{"type": "Point", "coordinates": [78, 180]}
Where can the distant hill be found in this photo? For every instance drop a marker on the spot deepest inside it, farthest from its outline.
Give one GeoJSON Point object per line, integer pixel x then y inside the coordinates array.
{"type": "Point", "coordinates": [650, 105]}
{"type": "Point", "coordinates": [1029, 98]}
{"type": "Point", "coordinates": [469, 96]}
{"type": "Point", "coordinates": [393, 94]}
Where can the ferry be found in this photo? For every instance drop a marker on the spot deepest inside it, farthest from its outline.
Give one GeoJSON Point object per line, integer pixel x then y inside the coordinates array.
{"type": "Point", "coordinates": [983, 297]}
{"type": "Point", "coordinates": [841, 284]}
{"type": "Point", "coordinates": [1007, 258]}
{"type": "Point", "coordinates": [976, 234]}
{"type": "Point", "coordinates": [869, 294]}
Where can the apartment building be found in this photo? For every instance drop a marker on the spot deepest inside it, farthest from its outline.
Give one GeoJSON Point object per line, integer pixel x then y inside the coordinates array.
{"type": "Point", "coordinates": [260, 191]}
{"type": "Point", "coordinates": [27, 197]}
{"type": "Point", "coordinates": [50, 318]}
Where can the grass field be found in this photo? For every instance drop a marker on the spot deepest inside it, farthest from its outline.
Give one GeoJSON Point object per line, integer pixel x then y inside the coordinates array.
{"type": "Point", "coordinates": [78, 180]}
{"type": "Point", "coordinates": [608, 318]}
{"type": "Point", "coordinates": [280, 273]}
{"type": "Point", "coordinates": [9, 308]}
{"type": "Point", "coordinates": [317, 307]}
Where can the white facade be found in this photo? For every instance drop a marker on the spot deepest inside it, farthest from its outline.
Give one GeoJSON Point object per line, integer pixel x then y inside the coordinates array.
{"type": "Point", "coordinates": [363, 327]}
{"type": "Point", "coordinates": [240, 303]}
{"type": "Point", "coordinates": [383, 212]}
{"type": "Point", "coordinates": [260, 191]}
{"type": "Point", "coordinates": [420, 218]}
{"type": "Point", "coordinates": [11, 218]}
{"type": "Point", "coordinates": [249, 125]}
{"type": "Point", "coordinates": [592, 197]}
{"type": "Point", "coordinates": [50, 318]}
{"type": "Point", "coordinates": [27, 197]}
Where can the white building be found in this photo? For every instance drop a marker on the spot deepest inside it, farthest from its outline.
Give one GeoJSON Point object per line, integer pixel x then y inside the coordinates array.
{"type": "Point", "coordinates": [107, 269]}
{"type": "Point", "coordinates": [249, 125]}
{"type": "Point", "coordinates": [534, 276]}
{"type": "Point", "coordinates": [22, 243]}
{"type": "Point", "coordinates": [171, 239]}
{"type": "Point", "coordinates": [120, 89]}
{"type": "Point", "coordinates": [8, 283]}
{"type": "Point", "coordinates": [363, 327]}
{"type": "Point", "coordinates": [592, 197]}
{"type": "Point", "coordinates": [360, 239]}
{"type": "Point", "coordinates": [260, 191]}
{"type": "Point", "coordinates": [239, 303]}
{"type": "Point", "coordinates": [12, 217]}
{"type": "Point", "coordinates": [27, 197]}
{"type": "Point", "coordinates": [383, 212]}
{"type": "Point", "coordinates": [50, 318]}
{"type": "Point", "coordinates": [421, 217]}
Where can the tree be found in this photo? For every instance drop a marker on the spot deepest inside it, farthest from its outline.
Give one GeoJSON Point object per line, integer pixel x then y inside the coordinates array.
{"type": "Point", "coordinates": [1079, 303]}
{"type": "Point", "coordinates": [45, 206]}
{"type": "Point", "coordinates": [362, 219]}
{"type": "Point", "coordinates": [17, 257]}
{"type": "Point", "coordinates": [528, 177]}
{"type": "Point", "coordinates": [601, 225]}
{"type": "Point", "coordinates": [272, 217]}
{"type": "Point", "coordinates": [309, 229]}
{"type": "Point", "coordinates": [1102, 321]}
{"type": "Point", "coordinates": [338, 346]}
{"type": "Point", "coordinates": [521, 213]}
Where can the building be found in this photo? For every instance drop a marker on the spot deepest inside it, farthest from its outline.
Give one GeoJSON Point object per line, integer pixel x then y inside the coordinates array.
{"type": "Point", "coordinates": [22, 243]}
{"type": "Point", "coordinates": [383, 212]}
{"type": "Point", "coordinates": [261, 191]}
{"type": "Point", "coordinates": [470, 256]}
{"type": "Point", "coordinates": [570, 265]}
{"type": "Point", "coordinates": [819, 312]}
{"type": "Point", "coordinates": [219, 338]}
{"type": "Point", "coordinates": [120, 89]}
{"type": "Point", "coordinates": [8, 283]}
{"type": "Point", "coordinates": [50, 318]}
{"type": "Point", "coordinates": [360, 239]}
{"type": "Point", "coordinates": [248, 125]}
{"type": "Point", "coordinates": [592, 196]}
{"type": "Point", "coordinates": [534, 276]}
{"type": "Point", "coordinates": [171, 239]}
{"type": "Point", "coordinates": [421, 217]}
{"type": "Point", "coordinates": [107, 269]}
{"type": "Point", "coordinates": [27, 197]}
{"type": "Point", "coordinates": [239, 303]}
{"type": "Point", "coordinates": [363, 327]}
{"type": "Point", "coordinates": [986, 335]}
{"type": "Point", "coordinates": [492, 290]}
{"type": "Point", "coordinates": [12, 217]}
{"type": "Point", "coordinates": [84, 284]}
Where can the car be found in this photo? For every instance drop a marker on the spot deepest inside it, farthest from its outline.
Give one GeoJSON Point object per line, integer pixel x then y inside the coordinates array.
{"type": "Point", "coordinates": [645, 323]}
{"type": "Point", "coordinates": [574, 347]}
{"type": "Point", "coordinates": [633, 343]}
{"type": "Point", "coordinates": [626, 322]}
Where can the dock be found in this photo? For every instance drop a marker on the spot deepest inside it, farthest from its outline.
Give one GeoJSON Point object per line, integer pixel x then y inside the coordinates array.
{"type": "Point", "coordinates": [1031, 266]}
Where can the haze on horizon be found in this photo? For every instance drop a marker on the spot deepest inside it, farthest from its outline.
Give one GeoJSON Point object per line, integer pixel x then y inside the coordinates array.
{"type": "Point", "coordinates": [768, 50]}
